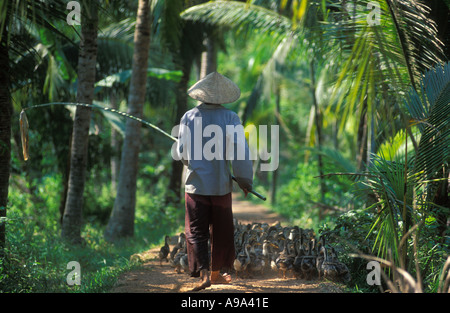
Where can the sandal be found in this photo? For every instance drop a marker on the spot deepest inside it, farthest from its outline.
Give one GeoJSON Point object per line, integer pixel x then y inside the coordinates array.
{"type": "Point", "coordinates": [217, 278]}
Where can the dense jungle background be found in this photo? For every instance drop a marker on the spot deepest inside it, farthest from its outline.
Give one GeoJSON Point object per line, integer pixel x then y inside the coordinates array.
{"type": "Point", "coordinates": [360, 90]}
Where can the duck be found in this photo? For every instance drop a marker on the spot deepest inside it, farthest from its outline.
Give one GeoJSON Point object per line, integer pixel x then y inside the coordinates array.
{"type": "Point", "coordinates": [343, 273]}
{"type": "Point", "coordinates": [280, 241]}
{"type": "Point", "coordinates": [328, 268]}
{"type": "Point", "coordinates": [310, 234]}
{"type": "Point", "coordinates": [242, 260]}
{"type": "Point", "coordinates": [271, 232]}
{"type": "Point", "coordinates": [172, 254]}
{"type": "Point", "coordinates": [182, 253]}
{"type": "Point", "coordinates": [308, 266]}
{"type": "Point", "coordinates": [257, 260]}
{"type": "Point", "coordinates": [298, 261]}
{"type": "Point", "coordinates": [267, 252]}
{"type": "Point", "coordinates": [257, 249]}
{"type": "Point", "coordinates": [264, 227]}
{"type": "Point", "coordinates": [181, 240]}
{"type": "Point", "coordinates": [240, 239]}
{"type": "Point", "coordinates": [284, 261]}
{"type": "Point", "coordinates": [164, 251]}
{"type": "Point", "coordinates": [320, 256]}
{"type": "Point", "coordinates": [257, 264]}
{"type": "Point", "coordinates": [319, 261]}
{"type": "Point", "coordinates": [273, 262]}
{"type": "Point", "coordinates": [184, 261]}
{"type": "Point", "coordinates": [294, 233]}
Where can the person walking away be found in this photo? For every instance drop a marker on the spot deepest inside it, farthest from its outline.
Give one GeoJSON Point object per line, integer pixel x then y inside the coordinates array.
{"type": "Point", "coordinates": [211, 143]}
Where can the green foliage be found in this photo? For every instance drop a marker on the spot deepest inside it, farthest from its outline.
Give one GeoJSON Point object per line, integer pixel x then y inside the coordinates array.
{"type": "Point", "coordinates": [349, 235]}
{"type": "Point", "coordinates": [402, 184]}
{"type": "Point", "coordinates": [300, 200]}
{"type": "Point", "coordinates": [36, 257]}
{"type": "Point", "coordinates": [296, 198]}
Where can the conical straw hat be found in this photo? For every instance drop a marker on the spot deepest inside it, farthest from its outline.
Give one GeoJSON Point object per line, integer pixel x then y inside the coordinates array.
{"type": "Point", "coordinates": [216, 89]}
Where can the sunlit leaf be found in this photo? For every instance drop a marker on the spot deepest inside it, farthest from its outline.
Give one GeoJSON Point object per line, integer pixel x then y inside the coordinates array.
{"type": "Point", "coordinates": [123, 77]}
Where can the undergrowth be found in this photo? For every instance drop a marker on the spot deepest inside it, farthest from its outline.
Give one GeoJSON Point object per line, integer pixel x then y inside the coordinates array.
{"type": "Point", "coordinates": [36, 258]}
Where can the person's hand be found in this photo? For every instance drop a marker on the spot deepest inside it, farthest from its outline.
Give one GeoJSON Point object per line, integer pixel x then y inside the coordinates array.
{"type": "Point", "coordinates": [244, 184]}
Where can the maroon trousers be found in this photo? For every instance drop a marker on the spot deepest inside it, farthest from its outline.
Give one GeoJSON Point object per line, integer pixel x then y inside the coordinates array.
{"type": "Point", "coordinates": [209, 217]}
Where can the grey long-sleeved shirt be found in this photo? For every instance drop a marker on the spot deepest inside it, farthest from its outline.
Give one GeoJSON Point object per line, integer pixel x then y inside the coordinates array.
{"type": "Point", "coordinates": [211, 137]}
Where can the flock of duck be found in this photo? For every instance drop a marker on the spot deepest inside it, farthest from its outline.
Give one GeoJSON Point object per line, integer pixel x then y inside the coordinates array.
{"type": "Point", "coordinates": [288, 250]}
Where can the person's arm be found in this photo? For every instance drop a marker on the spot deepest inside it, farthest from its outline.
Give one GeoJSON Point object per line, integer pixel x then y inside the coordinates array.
{"type": "Point", "coordinates": [184, 140]}
{"type": "Point", "coordinates": [241, 164]}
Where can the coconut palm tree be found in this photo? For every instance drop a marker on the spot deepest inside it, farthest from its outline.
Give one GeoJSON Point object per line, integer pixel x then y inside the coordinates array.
{"type": "Point", "coordinates": [14, 15]}
{"type": "Point", "coordinates": [87, 61]}
{"type": "Point", "coordinates": [121, 222]}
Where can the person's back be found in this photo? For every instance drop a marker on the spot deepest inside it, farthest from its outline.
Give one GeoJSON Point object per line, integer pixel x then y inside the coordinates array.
{"type": "Point", "coordinates": [215, 137]}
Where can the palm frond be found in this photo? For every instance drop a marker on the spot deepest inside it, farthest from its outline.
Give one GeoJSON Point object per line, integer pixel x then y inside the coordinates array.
{"type": "Point", "coordinates": [394, 147]}
{"type": "Point", "coordinates": [35, 41]}
{"type": "Point", "coordinates": [417, 35]}
{"type": "Point", "coordinates": [122, 30]}
{"type": "Point", "coordinates": [239, 15]}
{"type": "Point", "coordinates": [432, 111]}
{"type": "Point", "coordinates": [380, 61]}
{"type": "Point", "coordinates": [394, 191]}
{"type": "Point", "coordinates": [167, 24]}
{"type": "Point", "coordinates": [123, 77]}
{"type": "Point", "coordinates": [40, 13]}
{"type": "Point", "coordinates": [270, 77]}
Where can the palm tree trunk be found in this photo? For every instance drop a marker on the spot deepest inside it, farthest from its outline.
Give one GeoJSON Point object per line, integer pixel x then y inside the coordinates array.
{"type": "Point", "coordinates": [87, 59]}
{"type": "Point", "coordinates": [114, 147]}
{"type": "Point", "coordinates": [5, 133]}
{"type": "Point", "coordinates": [208, 63]}
{"type": "Point", "coordinates": [273, 190]}
{"type": "Point", "coordinates": [181, 101]}
{"type": "Point", "coordinates": [361, 144]}
{"type": "Point", "coordinates": [318, 122]}
{"type": "Point", "coordinates": [209, 58]}
{"type": "Point", "coordinates": [121, 222]}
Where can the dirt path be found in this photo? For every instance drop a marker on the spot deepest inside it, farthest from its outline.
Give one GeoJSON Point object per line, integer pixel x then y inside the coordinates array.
{"type": "Point", "coordinates": [152, 277]}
